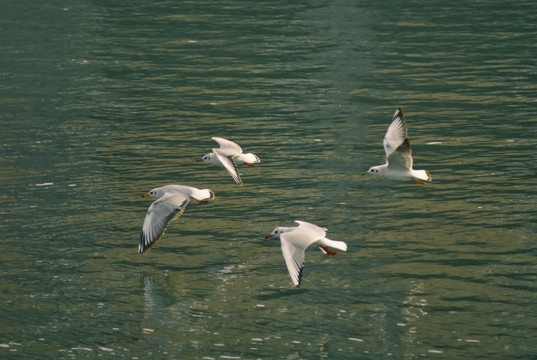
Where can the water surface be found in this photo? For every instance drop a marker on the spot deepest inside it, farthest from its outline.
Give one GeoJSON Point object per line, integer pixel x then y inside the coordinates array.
{"type": "Point", "coordinates": [102, 101]}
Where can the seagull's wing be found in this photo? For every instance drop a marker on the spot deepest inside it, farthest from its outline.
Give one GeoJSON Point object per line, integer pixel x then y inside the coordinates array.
{"type": "Point", "coordinates": [161, 212]}
{"type": "Point", "coordinates": [396, 133]}
{"type": "Point", "coordinates": [293, 254]}
{"type": "Point", "coordinates": [396, 143]}
{"type": "Point", "coordinates": [401, 158]}
{"type": "Point", "coordinates": [314, 233]}
{"type": "Point", "coordinates": [313, 230]}
{"type": "Point", "coordinates": [229, 164]}
{"type": "Point", "coordinates": [229, 147]}
{"type": "Point", "coordinates": [294, 245]}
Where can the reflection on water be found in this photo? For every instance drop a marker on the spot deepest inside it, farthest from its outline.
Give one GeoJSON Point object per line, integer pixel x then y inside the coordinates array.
{"type": "Point", "coordinates": [103, 101]}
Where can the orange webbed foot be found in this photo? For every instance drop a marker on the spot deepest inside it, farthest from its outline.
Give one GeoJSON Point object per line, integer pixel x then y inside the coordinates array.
{"type": "Point", "coordinates": [327, 251]}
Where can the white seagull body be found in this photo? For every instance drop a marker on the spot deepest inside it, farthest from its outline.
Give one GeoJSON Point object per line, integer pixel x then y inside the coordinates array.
{"type": "Point", "coordinates": [170, 204]}
{"type": "Point", "coordinates": [228, 155]}
{"type": "Point", "coordinates": [296, 239]}
{"type": "Point", "coordinates": [398, 154]}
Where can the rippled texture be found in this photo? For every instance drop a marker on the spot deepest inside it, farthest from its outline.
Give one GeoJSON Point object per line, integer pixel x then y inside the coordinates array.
{"type": "Point", "coordinates": [103, 100]}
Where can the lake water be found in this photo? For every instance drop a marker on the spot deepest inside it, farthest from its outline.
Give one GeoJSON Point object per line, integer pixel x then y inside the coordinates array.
{"type": "Point", "coordinates": [101, 101]}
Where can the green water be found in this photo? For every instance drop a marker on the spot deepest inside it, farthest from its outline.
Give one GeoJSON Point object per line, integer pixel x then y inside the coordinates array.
{"type": "Point", "coordinates": [101, 101]}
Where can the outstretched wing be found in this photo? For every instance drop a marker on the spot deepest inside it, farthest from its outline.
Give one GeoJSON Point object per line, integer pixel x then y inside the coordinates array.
{"type": "Point", "coordinates": [161, 212]}
{"type": "Point", "coordinates": [293, 254]}
{"type": "Point", "coordinates": [314, 233]}
{"type": "Point", "coordinates": [229, 164]}
{"type": "Point", "coordinates": [396, 143]}
{"type": "Point", "coordinates": [294, 245]}
{"type": "Point", "coordinates": [401, 158]}
{"type": "Point", "coordinates": [396, 133]}
{"type": "Point", "coordinates": [229, 147]}
{"type": "Point", "coordinates": [313, 230]}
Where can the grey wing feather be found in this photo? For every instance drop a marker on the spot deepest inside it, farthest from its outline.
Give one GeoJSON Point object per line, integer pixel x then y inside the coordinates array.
{"type": "Point", "coordinates": [396, 133]}
{"type": "Point", "coordinates": [161, 212]}
{"type": "Point", "coordinates": [320, 232]}
{"type": "Point", "coordinates": [293, 254]}
{"type": "Point", "coordinates": [227, 145]}
{"type": "Point", "coordinates": [230, 165]}
{"type": "Point", "coordinates": [401, 158]}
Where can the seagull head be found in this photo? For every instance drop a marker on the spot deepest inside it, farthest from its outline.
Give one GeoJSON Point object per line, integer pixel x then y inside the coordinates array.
{"type": "Point", "coordinates": [210, 158]}
{"type": "Point", "coordinates": [155, 193]}
{"type": "Point", "coordinates": [373, 170]}
{"type": "Point", "coordinates": [278, 231]}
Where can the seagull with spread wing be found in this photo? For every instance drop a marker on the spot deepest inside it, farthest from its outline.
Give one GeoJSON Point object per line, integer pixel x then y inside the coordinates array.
{"type": "Point", "coordinates": [296, 239]}
{"type": "Point", "coordinates": [229, 155]}
{"type": "Point", "coordinates": [398, 154]}
{"type": "Point", "coordinates": [170, 204]}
